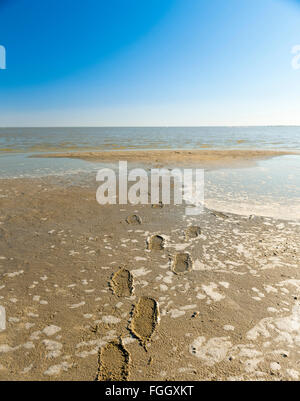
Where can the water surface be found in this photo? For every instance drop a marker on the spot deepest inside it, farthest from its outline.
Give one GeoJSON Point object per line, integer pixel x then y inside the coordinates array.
{"type": "Point", "coordinates": [271, 188]}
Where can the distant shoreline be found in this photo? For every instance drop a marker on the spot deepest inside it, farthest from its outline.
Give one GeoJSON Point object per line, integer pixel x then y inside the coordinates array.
{"type": "Point", "coordinates": [155, 126]}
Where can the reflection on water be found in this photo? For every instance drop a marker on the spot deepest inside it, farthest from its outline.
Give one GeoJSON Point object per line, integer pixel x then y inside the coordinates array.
{"type": "Point", "coordinates": [22, 166]}
{"type": "Point", "coordinates": [272, 188]}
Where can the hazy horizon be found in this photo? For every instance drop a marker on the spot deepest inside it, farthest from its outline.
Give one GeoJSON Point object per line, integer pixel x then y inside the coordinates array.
{"type": "Point", "coordinates": [150, 126]}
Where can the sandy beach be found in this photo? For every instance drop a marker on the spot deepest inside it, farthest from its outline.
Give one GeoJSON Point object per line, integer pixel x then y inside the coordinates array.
{"type": "Point", "coordinates": [124, 292]}
{"type": "Point", "coordinates": [149, 193]}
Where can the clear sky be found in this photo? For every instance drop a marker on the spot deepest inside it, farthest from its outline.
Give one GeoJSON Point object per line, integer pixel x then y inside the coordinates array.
{"type": "Point", "coordinates": [149, 62]}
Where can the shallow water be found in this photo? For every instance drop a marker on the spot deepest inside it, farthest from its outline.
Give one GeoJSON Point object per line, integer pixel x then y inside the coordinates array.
{"type": "Point", "coordinates": [80, 138]}
{"type": "Point", "coordinates": [22, 166]}
{"type": "Point", "coordinates": [271, 188]}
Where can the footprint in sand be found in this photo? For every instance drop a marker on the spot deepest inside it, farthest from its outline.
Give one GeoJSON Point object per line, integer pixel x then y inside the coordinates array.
{"type": "Point", "coordinates": [113, 362]}
{"type": "Point", "coordinates": [219, 214]}
{"type": "Point", "coordinates": [157, 205]}
{"type": "Point", "coordinates": [192, 232]}
{"type": "Point", "coordinates": [122, 283]}
{"type": "Point", "coordinates": [182, 263]}
{"type": "Point", "coordinates": [145, 318]}
{"type": "Point", "coordinates": [134, 219]}
{"type": "Point", "coordinates": [156, 243]}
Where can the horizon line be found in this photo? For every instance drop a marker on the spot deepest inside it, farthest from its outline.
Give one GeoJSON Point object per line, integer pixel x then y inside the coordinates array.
{"type": "Point", "coordinates": [151, 126]}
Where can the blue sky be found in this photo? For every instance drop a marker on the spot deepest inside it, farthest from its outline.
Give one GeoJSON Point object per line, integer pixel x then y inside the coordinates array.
{"type": "Point", "coordinates": [149, 62]}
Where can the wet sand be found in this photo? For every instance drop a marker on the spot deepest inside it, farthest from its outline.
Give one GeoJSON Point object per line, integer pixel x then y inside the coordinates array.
{"type": "Point", "coordinates": [93, 293]}
{"type": "Point", "coordinates": [178, 157]}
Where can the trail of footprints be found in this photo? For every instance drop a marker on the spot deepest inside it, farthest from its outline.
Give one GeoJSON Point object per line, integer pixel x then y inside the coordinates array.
{"type": "Point", "coordinates": [113, 358]}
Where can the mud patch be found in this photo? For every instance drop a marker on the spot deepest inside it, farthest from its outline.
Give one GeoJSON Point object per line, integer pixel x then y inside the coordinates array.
{"type": "Point", "coordinates": [122, 283]}
{"type": "Point", "coordinates": [134, 219]}
{"type": "Point", "coordinates": [113, 362]}
{"type": "Point", "coordinates": [182, 263]}
{"type": "Point", "coordinates": [192, 232]}
{"type": "Point", "coordinates": [156, 243]}
{"type": "Point", "coordinates": [145, 318]}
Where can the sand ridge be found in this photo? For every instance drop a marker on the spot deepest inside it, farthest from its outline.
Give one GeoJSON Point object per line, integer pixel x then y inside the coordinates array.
{"type": "Point", "coordinates": [180, 157]}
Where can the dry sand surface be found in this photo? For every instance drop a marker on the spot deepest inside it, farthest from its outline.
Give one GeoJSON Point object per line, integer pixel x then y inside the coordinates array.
{"type": "Point", "coordinates": [203, 157]}
{"type": "Point", "coordinates": [143, 293]}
